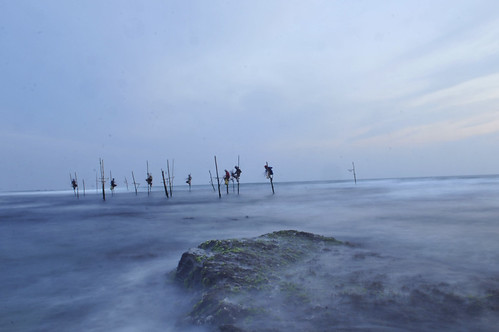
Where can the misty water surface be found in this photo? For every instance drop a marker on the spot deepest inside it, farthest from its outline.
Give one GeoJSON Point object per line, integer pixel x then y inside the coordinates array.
{"type": "Point", "coordinates": [87, 265]}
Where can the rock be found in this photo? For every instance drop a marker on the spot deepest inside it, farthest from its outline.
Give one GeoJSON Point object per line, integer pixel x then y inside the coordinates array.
{"type": "Point", "coordinates": [297, 281]}
{"type": "Point", "coordinates": [227, 272]}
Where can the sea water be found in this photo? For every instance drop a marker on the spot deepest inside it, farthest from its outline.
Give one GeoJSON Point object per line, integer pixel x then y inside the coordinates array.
{"type": "Point", "coordinates": [84, 264]}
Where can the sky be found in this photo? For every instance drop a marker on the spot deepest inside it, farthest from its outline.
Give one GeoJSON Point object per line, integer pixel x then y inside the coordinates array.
{"type": "Point", "coordinates": [401, 88]}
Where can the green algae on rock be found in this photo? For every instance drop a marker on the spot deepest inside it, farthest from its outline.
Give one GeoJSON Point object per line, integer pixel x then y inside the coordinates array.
{"type": "Point", "coordinates": [227, 271]}
{"type": "Point", "coordinates": [296, 281]}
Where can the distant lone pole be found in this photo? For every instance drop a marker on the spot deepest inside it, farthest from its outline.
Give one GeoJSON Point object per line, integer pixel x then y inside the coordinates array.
{"type": "Point", "coordinates": [353, 171]}
{"type": "Point", "coordinates": [218, 179]}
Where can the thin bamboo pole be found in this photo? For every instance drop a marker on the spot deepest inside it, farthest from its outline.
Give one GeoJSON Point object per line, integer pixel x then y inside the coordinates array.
{"type": "Point", "coordinates": [173, 177]}
{"type": "Point", "coordinates": [149, 183]}
{"type": "Point", "coordinates": [211, 181]}
{"type": "Point", "coordinates": [170, 176]}
{"type": "Point", "coordinates": [218, 179]}
{"type": "Point", "coordinates": [73, 183]}
{"type": "Point", "coordinates": [164, 183]}
{"type": "Point", "coordinates": [111, 183]}
{"type": "Point", "coordinates": [134, 183]}
{"type": "Point", "coordinates": [353, 171]}
{"type": "Point", "coordinates": [103, 179]}
{"type": "Point", "coordinates": [270, 175]}
{"type": "Point", "coordinates": [77, 189]}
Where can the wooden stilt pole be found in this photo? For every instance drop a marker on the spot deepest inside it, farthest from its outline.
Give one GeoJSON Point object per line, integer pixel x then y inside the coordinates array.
{"type": "Point", "coordinates": [270, 175]}
{"type": "Point", "coordinates": [72, 183]}
{"type": "Point", "coordinates": [353, 171]}
{"type": "Point", "coordinates": [354, 174]}
{"type": "Point", "coordinates": [77, 189]}
{"type": "Point", "coordinates": [211, 181]}
{"type": "Point", "coordinates": [111, 186]}
{"type": "Point", "coordinates": [226, 181]}
{"type": "Point", "coordinates": [149, 180]}
{"type": "Point", "coordinates": [272, 184]}
{"type": "Point", "coordinates": [83, 180]}
{"type": "Point", "coordinates": [126, 183]}
{"type": "Point", "coordinates": [164, 183]}
{"type": "Point", "coordinates": [172, 178]}
{"type": "Point", "coordinates": [189, 181]}
{"type": "Point", "coordinates": [134, 183]}
{"type": "Point", "coordinates": [238, 176]}
{"type": "Point", "coordinates": [218, 179]}
{"type": "Point", "coordinates": [103, 179]}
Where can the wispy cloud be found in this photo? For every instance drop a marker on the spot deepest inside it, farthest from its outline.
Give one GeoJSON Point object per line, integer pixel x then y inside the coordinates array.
{"type": "Point", "coordinates": [481, 89]}
{"type": "Point", "coordinates": [435, 132]}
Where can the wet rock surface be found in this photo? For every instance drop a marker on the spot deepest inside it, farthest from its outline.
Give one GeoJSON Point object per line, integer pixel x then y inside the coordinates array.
{"type": "Point", "coordinates": [296, 281]}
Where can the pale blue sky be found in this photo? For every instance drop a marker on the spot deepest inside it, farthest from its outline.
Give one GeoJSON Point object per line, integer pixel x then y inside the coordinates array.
{"type": "Point", "coordinates": [403, 88]}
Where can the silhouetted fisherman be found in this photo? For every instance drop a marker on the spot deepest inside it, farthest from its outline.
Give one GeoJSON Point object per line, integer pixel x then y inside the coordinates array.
{"type": "Point", "coordinates": [74, 184]}
{"type": "Point", "coordinates": [149, 179]}
{"type": "Point", "coordinates": [237, 173]}
{"type": "Point", "coordinates": [189, 181]}
{"type": "Point", "coordinates": [268, 171]}
{"type": "Point", "coordinates": [113, 184]}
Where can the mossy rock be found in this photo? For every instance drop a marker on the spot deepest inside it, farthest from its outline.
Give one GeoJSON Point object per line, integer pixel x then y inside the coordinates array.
{"type": "Point", "coordinates": [227, 272]}
{"type": "Point", "coordinates": [296, 281]}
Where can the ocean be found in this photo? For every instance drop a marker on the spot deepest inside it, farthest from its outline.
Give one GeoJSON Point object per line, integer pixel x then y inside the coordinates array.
{"type": "Point", "coordinates": [84, 264]}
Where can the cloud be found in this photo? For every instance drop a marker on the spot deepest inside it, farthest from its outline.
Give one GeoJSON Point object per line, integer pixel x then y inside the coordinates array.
{"type": "Point", "coordinates": [435, 132]}
{"type": "Point", "coordinates": [476, 90]}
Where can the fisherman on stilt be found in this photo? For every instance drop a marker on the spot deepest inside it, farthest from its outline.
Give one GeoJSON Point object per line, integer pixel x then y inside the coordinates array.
{"type": "Point", "coordinates": [236, 175]}
{"type": "Point", "coordinates": [270, 175]}
{"type": "Point", "coordinates": [149, 181]}
{"type": "Point", "coordinates": [226, 179]}
{"type": "Point", "coordinates": [113, 184]}
{"type": "Point", "coordinates": [189, 181]}
{"type": "Point", "coordinates": [268, 171]}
